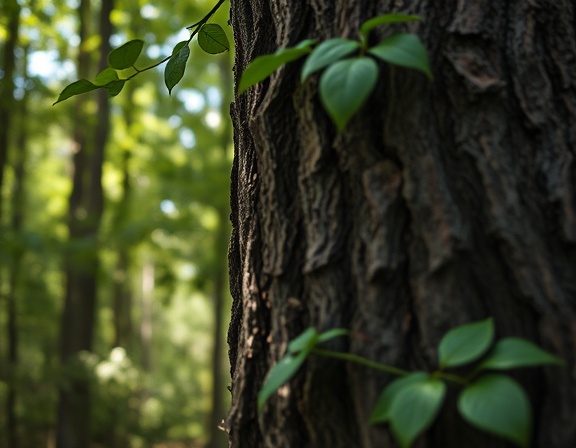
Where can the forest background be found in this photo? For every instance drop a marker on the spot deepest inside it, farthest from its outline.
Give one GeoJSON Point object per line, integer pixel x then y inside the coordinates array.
{"type": "Point", "coordinates": [157, 364]}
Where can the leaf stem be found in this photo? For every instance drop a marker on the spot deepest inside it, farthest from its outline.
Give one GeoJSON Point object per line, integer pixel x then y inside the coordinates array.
{"type": "Point", "coordinates": [454, 378]}
{"type": "Point", "coordinates": [360, 360]}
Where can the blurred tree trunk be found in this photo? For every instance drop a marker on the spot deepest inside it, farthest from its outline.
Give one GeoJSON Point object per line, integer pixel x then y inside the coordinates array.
{"type": "Point", "coordinates": [11, 9]}
{"type": "Point", "coordinates": [86, 205]}
{"type": "Point", "coordinates": [122, 295]}
{"type": "Point", "coordinates": [16, 226]}
{"type": "Point", "coordinates": [7, 107]}
{"type": "Point", "coordinates": [217, 438]}
{"type": "Point", "coordinates": [440, 204]}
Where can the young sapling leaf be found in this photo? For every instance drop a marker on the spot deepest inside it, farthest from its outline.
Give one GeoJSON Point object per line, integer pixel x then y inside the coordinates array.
{"type": "Point", "coordinates": [510, 353]}
{"type": "Point", "coordinates": [497, 404]}
{"type": "Point", "coordinates": [405, 50]}
{"type": "Point", "coordinates": [331, 334]}
{"type": "Point", "coordinates": [381, 410]}
{"type": "Point", "coordinates": [465, 343]}
{"type": "Point", "coordinates": [414, 408]}
{"type": "Point", "coordinates": [304, 342]}
{"type": "Point", "coordinates": [345, 85]}
{"type": "Point", "coordinates": [263, 66]}
{"type": "Point", "coordinates": [326, 53]}
{"type": "Point", "coordinates": [280, 374]}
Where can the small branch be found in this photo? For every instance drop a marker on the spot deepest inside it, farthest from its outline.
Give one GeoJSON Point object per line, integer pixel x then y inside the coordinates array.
{"type": "Point", "coordinates": [197, 27]}
{"type": "Point", "coordinates": [360, 360]}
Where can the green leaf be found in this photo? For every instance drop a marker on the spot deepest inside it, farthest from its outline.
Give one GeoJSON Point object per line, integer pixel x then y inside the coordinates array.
{"type": "Point", "coordinates": [369, 25]}
{"type": "Point", "coordinates": [115, 87]}
{"type": "Point", "coordinates": [381, 411]}
{"type": "Point", "coordinates": [176, 65]}
{"type": "Point", "coordinates": [405, 50]}
{"type": "Point", "coordinates": [326, 53]}
{"type": "Point", "coordinates": [414, 408]}
{"type": "Point", "coordinates": [497, 404]}
{"type": "Point", "coordinates": [105, 76]}
{"type": "Point", "coordinates": [466, 343]}
{"type": "Point", "coordinates": [345, 86]}
{"type": "Point", "coordinates": [125, 56]}
{"type": "Point", "coordinates": [511, 353]}
{"type": "Point", "coordinates": [304, 342]}
{"type": "Point", "coordinates": [263, 66]}
{"type": "Point", "coordinates": [331, 334]}
{"type": "Point", "coordinates": [76, 88]}
{"type": "Point", "coordinates": [279, 375]}
{"type": "Point", "coordinates": [212, 39]}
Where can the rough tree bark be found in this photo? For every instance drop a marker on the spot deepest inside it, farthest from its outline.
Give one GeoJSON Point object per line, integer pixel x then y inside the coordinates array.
{"type": "Point", "coordinates": [441, 203]}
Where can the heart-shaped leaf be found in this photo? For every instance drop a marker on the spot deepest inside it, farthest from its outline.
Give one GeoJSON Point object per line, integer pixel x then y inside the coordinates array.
{"type": "Point", "coordinates": [345, 85]}
{"type": "Point", "coordinates": [511, 353]}
{"type": "Point", "coordinates": [263, 66]}
{"type": "Point", "coordinates": [414, 408]}
{"type": "Point", "coordinates": [381, 411]}
{"type": "Point", "coordinates": [126, 55]}
{"type": "Point", "coordinates": [497, 404]}
{"type": "Point", "coordinates": [326, 53]}
{"type": "Point", "coordinates": [405, 50]}
{"type": "Point", "coordinates": [466, 343]}
{"type": "Point", "coordinates": [212, 39]}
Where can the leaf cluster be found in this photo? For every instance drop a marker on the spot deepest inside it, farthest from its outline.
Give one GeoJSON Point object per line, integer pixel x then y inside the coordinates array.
{"type": "Point", "coordinates": [490, 401]}
{"type": "Point", "coordinates": [350, 69]}
{"type": "Point", "coordinates": [211, 38]}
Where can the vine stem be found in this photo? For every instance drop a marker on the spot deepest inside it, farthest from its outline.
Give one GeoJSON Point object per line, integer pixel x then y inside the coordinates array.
{"type": "Point", "coordinates": [196, 28]}
{"type": "Point", "coordinates": [360, 360]}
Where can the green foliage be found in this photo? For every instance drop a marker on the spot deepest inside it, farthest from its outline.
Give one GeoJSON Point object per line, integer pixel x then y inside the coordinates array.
{"type": "Point", "coordinates": [263, 66]}
{"type": "Point", "coordinates": [404, 50]}
{"type": "Point", "coordinates": [497, 404]}
{"type": "Point", "coordinates": [126, 55]}
{"type": "Point", "coordinates": [415, 407]}
{"type": "Point", "coordinates": [211, 38]}
{"type": "Point", "coordinates": [345, 84]}
{"type": "Point", "coordinates": [176, 65]}
{"type": "Point", "coordinates": [466, 343]}
{"type": "Point", "coordinates": [494, 403]}
{"type": "Point", "coordinates": [298, 350]}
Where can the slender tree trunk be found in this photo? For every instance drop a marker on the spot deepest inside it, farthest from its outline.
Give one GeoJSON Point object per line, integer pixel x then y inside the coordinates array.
{"type": "Point", "coordinates": [441, 203]}
{"type": "Point", "coordinates": [12, 10]}
{"type": "Point", "coordinates": [217, 438]}
{"type": "Point", "coordinates": [7, 102]}
{"type": "Point", "coordinates": [86, 205]}
{"type": "Point", "coordinates": [17, 221]}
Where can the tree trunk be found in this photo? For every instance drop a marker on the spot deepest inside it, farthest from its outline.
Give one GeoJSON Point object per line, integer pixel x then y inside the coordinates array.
{"type": "Point", "coordinates": [86, 205]}
{"type": "Point", "coordinates": [12, 11]}
{"type": "Point", "coordinates": [441, 203]}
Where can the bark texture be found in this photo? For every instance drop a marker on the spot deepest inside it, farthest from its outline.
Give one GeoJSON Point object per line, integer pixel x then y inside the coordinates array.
{"type": "Point", "coordinates": [441, 203]}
